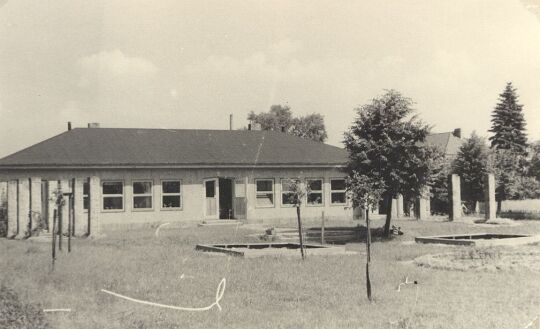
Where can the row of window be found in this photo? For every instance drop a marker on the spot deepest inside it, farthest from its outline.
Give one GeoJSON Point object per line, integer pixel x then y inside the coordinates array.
{"type": "Point", "coordinates": [112, 194]}
{"type": "Point", "coordinates": [315, 197]}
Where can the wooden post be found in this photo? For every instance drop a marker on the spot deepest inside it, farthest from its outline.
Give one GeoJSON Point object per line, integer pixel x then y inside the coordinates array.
{"type": "Point", "coordinates": [300, 233]}
{"type": "Point", "coordinates": [71, 216]}
{"type": "Point", "coordinates": [322, 228]}
{"type": "Point", "coordinates": [54, 237]}
{"type": "Point", "coordinates": [60, 199]}
{"type": "Point", "coordinates": [368, 260]}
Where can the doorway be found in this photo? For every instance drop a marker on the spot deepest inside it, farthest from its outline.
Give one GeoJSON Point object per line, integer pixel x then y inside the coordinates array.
{"type": "Point", "coordinates": [226, 198]}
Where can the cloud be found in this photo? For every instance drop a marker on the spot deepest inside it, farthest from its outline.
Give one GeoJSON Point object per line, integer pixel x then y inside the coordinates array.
{"type": "Point", "coordinates": [113, 65]}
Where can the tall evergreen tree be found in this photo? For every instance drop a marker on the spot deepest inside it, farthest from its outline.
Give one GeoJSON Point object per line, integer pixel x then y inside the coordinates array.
{"type": "Point", "coordinates": [508, 123]}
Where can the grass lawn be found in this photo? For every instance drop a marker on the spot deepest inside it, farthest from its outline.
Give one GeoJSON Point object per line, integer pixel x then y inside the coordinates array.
{"type": "Point", "coordinates": [321, 292]}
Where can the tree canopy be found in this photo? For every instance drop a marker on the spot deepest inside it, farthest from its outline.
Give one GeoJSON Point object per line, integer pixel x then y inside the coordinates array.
{"type": "Point", "coordinates": [508, 123]}
{"type": "Point", "coordinates": [386, 141]}
{"type": "Point", "coordinates": [471, 164]}
{"type": "Point", "coordinates": [280, 118]}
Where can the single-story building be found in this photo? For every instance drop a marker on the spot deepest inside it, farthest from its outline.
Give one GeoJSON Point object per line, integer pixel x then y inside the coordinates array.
{"type": "Point", "coordinates": [141, 176]}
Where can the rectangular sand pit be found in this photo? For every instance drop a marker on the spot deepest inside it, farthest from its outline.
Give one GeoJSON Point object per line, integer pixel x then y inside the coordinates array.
{"type": "Point", "coordinates": [480, 239]}
{"type": "Point", "coordinates": [251, 250]}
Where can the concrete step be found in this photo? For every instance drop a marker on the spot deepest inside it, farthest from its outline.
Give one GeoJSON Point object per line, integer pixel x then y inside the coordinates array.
{"type": "Point", "coordinates": [220, 222]}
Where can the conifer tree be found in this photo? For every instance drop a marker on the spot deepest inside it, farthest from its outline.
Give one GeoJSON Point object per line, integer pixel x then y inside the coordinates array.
{"type": "Point", "coordinates": [508, 123]}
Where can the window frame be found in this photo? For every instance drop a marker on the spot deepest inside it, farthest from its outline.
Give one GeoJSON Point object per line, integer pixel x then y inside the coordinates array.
{"type": "Point", "coordinates": [284, 205]}
{"type": "Point", "coordinates": [180, 194]}
{"type": "Point", "coordinates": [133, 195]}
{"type": "Point", "coordinates": [266, 192]}
{"type": "Point", "coordinates": [338, 191]}
{"type": "Point", "coordinates": [103, 195]}
{"type": "Point", "coordinates": [86, 196]}
{"type": "Point", "coordinates": [321, 191]}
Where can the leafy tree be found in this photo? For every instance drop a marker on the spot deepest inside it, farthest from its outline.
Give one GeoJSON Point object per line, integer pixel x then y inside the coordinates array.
{"type": "Point", "coordinates": [534, 162]}
{"type": "Point", "coordinates": [471, 164]}
{"type": "Point", "coordinates": [280, 118]}
{"type": "Point", "coordinates": [505, 166]}
{"type": "Point", "coordinates": [527, 188]}
{"type": "Point", "coordinates": [508, 123]}
{"type": "Point", "coordinates": [310, 127]}
{"type": "Point", "coordinates": [387, 142]}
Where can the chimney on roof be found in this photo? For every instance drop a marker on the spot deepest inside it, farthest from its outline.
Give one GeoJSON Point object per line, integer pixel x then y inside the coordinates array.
{"type": "Point", "coordinates": [457, 132]}
{"type": "Point", "coordinates": [69, 125]}
{"type": "Point", "coordinates": [93, 125]}
{"type": "Point", "coordinates": [230, 122]}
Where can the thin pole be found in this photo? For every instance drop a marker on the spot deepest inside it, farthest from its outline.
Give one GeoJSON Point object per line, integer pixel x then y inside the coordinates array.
{"type": "Point", "coordinates": [300, 233]}
{"type": "Point", "coordinates": [368, 247]}
{"type": "Point", "coordinates": [322, 228]}
{"type": "Point", "coordinates": [54, 238]}
{"type": "Point", "coordinates": [60, 224]}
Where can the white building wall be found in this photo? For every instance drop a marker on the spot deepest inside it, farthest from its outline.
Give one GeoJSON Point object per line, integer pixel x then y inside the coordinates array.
{"type": "Point", "coordinates": [192, 192]}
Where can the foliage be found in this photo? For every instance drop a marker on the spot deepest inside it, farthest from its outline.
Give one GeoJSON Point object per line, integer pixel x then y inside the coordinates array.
{"type": "Point", "coordinates": [439, 186]}
{"type": "Point", "coordinates": [280, 118]}
{"type": "Point", "coordinates": [527, 188]}
{"type": "Point", "coordinates": [297, 191]}
{"type": "Point", "coordinates": [16, 314]}
{"type": "Point", "coordinates": [534, 162]}
{"type": "Point", "coordinates": [387, 142]}
{"type": "Point", "coordinates": [365, 191]}
{"type": "Point", "coordinates": [505, 166]}
{"type": "Point", "coordinates": [471, 164]}
{"type": "Point", "coordinates": [508, 123]}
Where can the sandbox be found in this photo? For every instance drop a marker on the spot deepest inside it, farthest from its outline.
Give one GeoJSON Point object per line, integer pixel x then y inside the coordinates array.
{"type": "Point", "coordinates": [251, 250]}
{"type": "Point", "coordinates": [480, 239]}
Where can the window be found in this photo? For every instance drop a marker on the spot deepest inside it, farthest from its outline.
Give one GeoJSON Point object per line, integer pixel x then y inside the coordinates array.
{"type": "Point", "coordinates": [170, 195]}
{"type": "Point", "coordinates": [337, 191]}
{"type": "Point", "coordinates": [265, 192]}
{"type": "Point", "coordinates": [315, 196]}
{"type": "Point", "coordinates": [86, 196]}
{"type": "Point", "coordinates": [142, 195]}
{"type": "Point", "coordinates": [113, 195]}
{"type": "Point", "coordinates": [287, 197]}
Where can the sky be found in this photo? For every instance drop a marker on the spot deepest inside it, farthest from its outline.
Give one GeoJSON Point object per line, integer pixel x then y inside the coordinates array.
{"type": "Point", "coordinates": [189, 64]}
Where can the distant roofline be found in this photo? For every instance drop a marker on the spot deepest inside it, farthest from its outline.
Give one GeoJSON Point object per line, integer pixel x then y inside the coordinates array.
{"type": "Point", "coordinates": [171, 166]}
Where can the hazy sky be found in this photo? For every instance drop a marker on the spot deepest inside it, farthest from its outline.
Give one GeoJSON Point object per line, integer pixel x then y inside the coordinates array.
{"type": "Point", "coordinates": [180, 64]}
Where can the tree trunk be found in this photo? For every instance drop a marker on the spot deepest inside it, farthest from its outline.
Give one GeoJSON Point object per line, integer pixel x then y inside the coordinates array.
{"type": "Point", "coordinates": [388, 215]}
{"type": "Point", "coordinates": [368, 247]}
{"type": "Point", "coordinates": [499, 207]}
{"type": "Point", "coordinates": [300, 233]}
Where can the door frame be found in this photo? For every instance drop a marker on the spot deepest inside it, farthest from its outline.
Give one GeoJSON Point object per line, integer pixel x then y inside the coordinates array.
{"type": "Point", "coordinates": [216, 197]}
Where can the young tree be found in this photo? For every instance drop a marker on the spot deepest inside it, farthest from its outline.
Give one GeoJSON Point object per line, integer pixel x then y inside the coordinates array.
{"type": "Point", "coordinates": [280, 118]}
{"type": "Point", "coordinates": [297, 191]}
{"type": "Point", "coordinates": [471, 164]}
{"type": "Point", "coordinates": [508, 123]}
{"type": "Point", "coordinates": [386, 140]}
{"type": "Point", "coordinates": [366, 191]}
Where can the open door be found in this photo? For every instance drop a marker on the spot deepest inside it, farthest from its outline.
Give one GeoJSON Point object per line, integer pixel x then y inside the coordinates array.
{"type": "Point", "coordinates": [240, 198]}
{"type": "Point", "coordinates": [211, 197]}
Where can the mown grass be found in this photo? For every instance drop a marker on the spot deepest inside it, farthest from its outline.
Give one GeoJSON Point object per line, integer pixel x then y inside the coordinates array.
{"type": "Point", "coordinates": [321, 292]}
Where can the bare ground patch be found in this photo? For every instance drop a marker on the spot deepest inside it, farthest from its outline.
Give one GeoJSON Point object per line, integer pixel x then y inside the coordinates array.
{"type": "Point", "coordinates": [484, 259]}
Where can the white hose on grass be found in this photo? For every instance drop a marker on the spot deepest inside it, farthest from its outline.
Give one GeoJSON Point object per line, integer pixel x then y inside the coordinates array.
{"type": "Point", "coordinates": [50, 310]}
{"type": "Point", "coordinates": [160, 226]}
{"type": "Point", "coordinates": [219, 294]}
